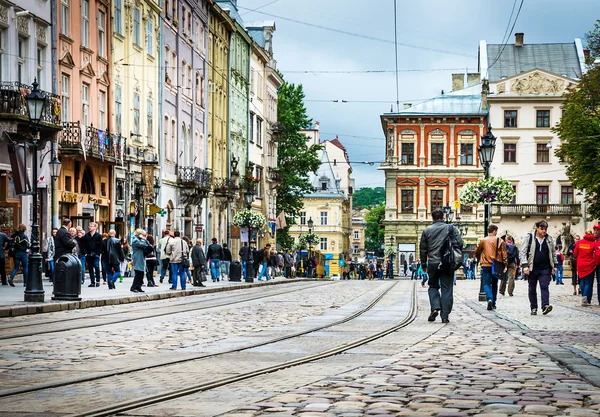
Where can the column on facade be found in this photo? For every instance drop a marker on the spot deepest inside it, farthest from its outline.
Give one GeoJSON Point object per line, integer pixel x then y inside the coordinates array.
{"type": "Point", "coordinates": [452, 190]}
{"type": "Point", "coordinates": [422, 211]}
{"type": "Point", "coordinates": [422, 146]}
{"type": "Point", "coordinates": [452, 142]}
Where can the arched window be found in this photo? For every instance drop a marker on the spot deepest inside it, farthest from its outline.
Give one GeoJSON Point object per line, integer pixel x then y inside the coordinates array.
{"type": "Point", "coordinates": [166, 139]}
{"type": "Point", "coordinates": [87, 181]}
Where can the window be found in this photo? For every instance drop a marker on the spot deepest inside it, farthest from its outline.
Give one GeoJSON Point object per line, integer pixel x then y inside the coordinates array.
{"type": "Point", "coordinates": [68, 183]}
{"type": "Point", "coordinates": [183, 19]}
{"type": "Point", "coordinates": [172, 147]}
{"type": "Point", "coordinates": [324, 186]}
{"type": "Point", "coordinates": [323, 243]}
{"type": "Point", "coordinates": [136, 114]}
{"type": "Point", "coordinates": [64, 17]}
{"type": "Point", "coordinates": [120, 190]}
{"type": "Point", "coordinates": [543, 118]}
{"type": "Point", "coordinates": [566, 195]}
{"type": "Point", "coordinates": [197, 89]}
{"type": "Point", "coordinates": [259, 175]}
{"type": "Point", "coordinates": [259, 86]}
{"type": "Point", "coordinates": [543, 153]}
{"type": "Point", "coordinates": [251, 80]}
{"type": "Point", "coordinates": [251, 133]}
{"type": "Point", "coordinates": [150, 123]}
{"type": "Point", "coordinates": [183, 70]}
{"type": "Point", "coordinates": [21, 68]}
{"type": "Point", "coordinates": [85, 104]}
{"type": "Point", "coordinates": [119, 17]}
{"type": "Point", "coordinates": [189, 81]}
{"type": "Point", "coordinates": [101, 110]}
{"type": "Point", "coordinates": [541, 192]}
{"type": "Point", "coordinates": [85, 23]}
{"type": "Point", "coordinates": [356, 235]}
{"type": "Point", "coordinates": [65, 97]}
{"type": "Point", "coordinates": [167, 8]}
{"type": "Point", "coordinates": [302, 218]}
{"type": "Point", "coordinates": [136, 27]}
{"type": "Point", "coordinates": [437, 199]}
{"type": "Point", "coordinates": [174, 9]}
{"type": "Point", "coordinates": [514, 199]}
{"type": "Point", "coordinates": [2, 46]}
{"type": "Point", "coordinates": [118, 109]}
{"type": "Point", "coordinates": [510, 152]}
{"type": "Point", "coordinates": [510, 118]}
{"type": "Point", "coordinates": [166, 139]}
{"type": "Point", "coordinates": [356, 249]}
{"type": "Point", "coordinates": [466, 209]}
{"type": "Point", "coordinates": [324, 218]}
{"type": "Point", "coordinates": [407, 201]}
{"type": "Point", "coordinates": [466, 154]}
{"type": "Point", "coordinates": [41, 52]}
{"type": "Point", "coordinates": [101, 34]}
{"type": "Point", "coordinates": [259, 124]}
{"type": "Point", "coordinates": [150, 37]}
{"type": "Point", "coordinates": [437, 154]}
{"type": "Point", "coordinates": [408, 153]}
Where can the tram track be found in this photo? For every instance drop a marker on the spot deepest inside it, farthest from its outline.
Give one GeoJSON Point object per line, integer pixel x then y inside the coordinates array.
{"type": "Point", "coordinates": [130, 405]}
{"type": "Point", "coordinates": [159, 364]}
{"type": "Point", "coordinates": [151, 310]}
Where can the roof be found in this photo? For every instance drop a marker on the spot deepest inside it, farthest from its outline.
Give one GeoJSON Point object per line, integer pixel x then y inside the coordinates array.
{"type": "Point", "coordinates": [466, 101]}
{"type": "Point", "coordinates": [558, 58]}
{"type": "Point", "coordinates": [232, 8]}
{"type": "Point", "coordinates": [325, 174]}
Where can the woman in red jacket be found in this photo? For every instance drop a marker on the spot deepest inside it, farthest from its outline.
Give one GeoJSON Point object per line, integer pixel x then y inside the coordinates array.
{"type": "Point", "coordinates": [586, 265]}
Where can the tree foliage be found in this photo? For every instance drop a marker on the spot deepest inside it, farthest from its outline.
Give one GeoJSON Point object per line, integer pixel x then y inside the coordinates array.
{"type": "Point", "coordinates": [592, 39]}
{"type": "Point", "coordinates": [295, 159]}
{"type": "Point", "coordinates": [579, 132]}
{"type": "Point", "coordinates": [374, 231]}
{"type": "Point", "coordinates": [368, 197]}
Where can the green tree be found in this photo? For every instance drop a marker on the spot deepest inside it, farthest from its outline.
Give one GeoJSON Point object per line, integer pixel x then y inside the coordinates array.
{"type": "Point", "coordinates": [579, 132]}
{"type": "Point", "coordinates": [374, 232]}
{"type": "Point", "coordinates": [592, 38]}
{"type": "Point", "coordinates": [295, 158]}
{"type": "Point", "coordinates": [368, 197]}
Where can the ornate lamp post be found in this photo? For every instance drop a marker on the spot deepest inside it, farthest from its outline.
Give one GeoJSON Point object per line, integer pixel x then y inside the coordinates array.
{"type": "Point", "coordinates": [448, 214]}
{"type": "Point", "coordinates": [55, 167]}
{"type": "Point", "coordinates": [249, 199]}
{"type": "Point", "coordinates": [486, 156]}
{"type": "Point", "coordinates": [156, 189]}
{"type": "Point", "coordinates": [310, 224]}
{"type": "Point", "coordinates": [34, 290]}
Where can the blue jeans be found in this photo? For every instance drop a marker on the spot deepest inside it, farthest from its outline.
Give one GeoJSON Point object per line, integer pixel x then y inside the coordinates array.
{"type": "Point", "coordinates": [244, 269]}
{"type": "Point", "coordinates": [82, 260]}
{"type": "Point", "coordinates": [51, 267]}
{"type": "Point", "coordinates": [178, 271]}
{"type": "Point", "coordinates": [215, 269]}
{"type": "Point", "coordinates": [20, 259]}
{"type": "Point", "coordinates": [264, 271]}
{"type": "Point", "coordinates": [113, 272]}
{"type": "Point", "coordinates": [225, 267]}
{"type": "Point", "coordinates": [93, 264]}
{"type": "Point", "coordinates": [490, 284]}
{"type": "Point", "coordinates": [105, 270]}
{"type": "Point", "coordinates": [559, 274]}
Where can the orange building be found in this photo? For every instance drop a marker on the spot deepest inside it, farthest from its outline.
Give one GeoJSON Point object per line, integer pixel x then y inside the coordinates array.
{"type": "Point", "coordinates": [431, 152]}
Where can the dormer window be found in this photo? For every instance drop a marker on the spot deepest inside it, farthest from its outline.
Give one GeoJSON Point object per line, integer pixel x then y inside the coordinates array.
{"type": "Point", "coordinates": [324, 186]}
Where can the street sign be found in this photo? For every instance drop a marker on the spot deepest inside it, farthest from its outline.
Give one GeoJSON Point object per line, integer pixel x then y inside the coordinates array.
{"type": "Point", "coordinates": [456, 204]}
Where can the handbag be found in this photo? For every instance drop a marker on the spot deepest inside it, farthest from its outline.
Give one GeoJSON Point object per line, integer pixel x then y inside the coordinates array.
{"type": "Point", "coordinates": [185, 261]}
{"type": "Point", "coordinates": [497, 267]}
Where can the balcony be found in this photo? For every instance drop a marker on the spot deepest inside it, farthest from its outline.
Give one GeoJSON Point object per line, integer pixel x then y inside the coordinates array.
{"type": "Point", "coordinates": [95, 144]}
{"type": "Point", "coordinates": [573, 210]}
{"type": "Point", "coordinates": [13, 108]}
{"type": "Point", "coordinates": [195, 184]}
{"type": "Point", "coordinates": [225, 188]}
{"type": "Point", "coordinates": [275, 175]}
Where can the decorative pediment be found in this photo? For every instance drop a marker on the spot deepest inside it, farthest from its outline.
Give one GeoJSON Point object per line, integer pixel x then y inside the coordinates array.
{"type": "Point", "coordinates": [67, 60]}
{"type": "Point", "coordinates": [467, 132]}
{"type": "Point", "coordinates": [87, 69]}
{"type": "Point", "coordinates": [406, 182]}
{"type": "Point", "coordinates": [436, 182]}
{"type": "Point", "coordinates": [464, 181]}
{"type": "Point", "coordinates": [408, 132]}
{"type": "Point", "coordinates": [437, 132]}
{"type": "Point", "coordinates": [104, 78]}
{"type": "Point", "coordinates": [538, 83]}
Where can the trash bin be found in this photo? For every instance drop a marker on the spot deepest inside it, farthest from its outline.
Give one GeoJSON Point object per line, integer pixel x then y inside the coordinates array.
{"type": "Point", "coordinates": [67, 278]}
{"type": "Point", "coordinates": [235, 271]}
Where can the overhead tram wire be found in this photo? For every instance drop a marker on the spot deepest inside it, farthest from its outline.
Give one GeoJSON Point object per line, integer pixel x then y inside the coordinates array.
{"type": "Point", "coordinates": [259, 7]}
{"type": "Point", "coordinates": [506, 43]}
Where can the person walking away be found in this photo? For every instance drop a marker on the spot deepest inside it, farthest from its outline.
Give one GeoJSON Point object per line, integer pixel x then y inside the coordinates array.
{"type": "Point", "coordinates": [596, 233]}
{"type": "Point", "coordinates": [560, 258]}
{"type": "Point", "coordinates": [537, 261]}
{"type": "Point", "coordinates": [215, 255]}
{"type": "Point", "coordinates": [151, 261]}
{"type": "Point", "coordinates": [138, 245]}
{"type": "Point", "coordinates": [573, 260]}
{"type": "Point", "coordinates": [288, 262]}
{"type": "Point", "coordinates": [226, 264]}
{"type": "Point", "coordinates": [126, 263]}
{"type": "Point", "coordinates": [273, 264]}
{"type": "Point", "coordinates": [164, 258]}
{"type": "Point", "coordinates": [586, 254]}
{"type": "Point", "coordinates": [186, 265]}
{"type": "Point", "coordinates": [512, 253]}
{"type": "Point", "coordinates": [93, 248]}
{"type": "Point", "coordinates": [50, 251]}
{"type": "Point", "coordinates": [262, 260]}
{"type": "Point", "coordinates": [177, 250]}
{"type": "Point", "coordinates": [79, 250]}
{"type": "Point", "coordinates": [63, 241]}
{"type": "Point", "coordinates": [114, 259]}
{"type": "Point", "coordinates": [246, 257]}
{"type": "Point", "coordinates": [413, 270]}
{"type": "Point", "coordinates": [440, 279]}
{"type": "Point", "coordinates": [371, 270]}
{"type": "Point", "coordinates": [4, 242]}
{"type": "Point", "coordinates": [20, 244]}
{"type": "Point", "coordinates": [466, 266]}
{"type": "Point", "coordinates": [474, 263]}
{"type": "Point", "coordinates": [199, 263]}
{"type": "Point", "coordinates": [490, 250]}
{"type": "Point", "coordinates": [104, 259]}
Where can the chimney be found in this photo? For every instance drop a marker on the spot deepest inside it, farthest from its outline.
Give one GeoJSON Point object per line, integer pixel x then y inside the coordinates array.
{"type": "Point", "coordinates": [485, 89]}
{"type": "Point", "coordinates": [458, 82]}
{"type": "Point", "coordinates": [407, 105]}
{"type": "Point", "coordinates": [317, 125]}
{"type": "Point", "coordinates": [519, 39]}
{"type": "Point", "coordinates": [472, 79]}
{"type": "Point", "coordinates": [586, 53]}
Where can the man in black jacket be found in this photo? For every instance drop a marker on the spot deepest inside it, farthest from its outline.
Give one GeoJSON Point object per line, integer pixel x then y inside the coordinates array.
{"type": "Point", "coordinates": [63, 241]}
{"type": "Point", "coordinates": [214, 254]}
{"type": "Point", "coordinates": [93, 249]}
{"type": "Point", "coordinates": [199, 263]}
{"type": "Point", "coordinates": [116, 255]}
{"type": "Point", "coordinates": [246, 258]}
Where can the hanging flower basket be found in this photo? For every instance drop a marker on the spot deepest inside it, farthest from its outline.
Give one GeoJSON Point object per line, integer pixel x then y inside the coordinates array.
{"type": "Point", "coordinates": [307, 238]}
{"type": "Point", "coordinates": [245, 218]}
{"type": "Point", "coordinates": [486, 191]}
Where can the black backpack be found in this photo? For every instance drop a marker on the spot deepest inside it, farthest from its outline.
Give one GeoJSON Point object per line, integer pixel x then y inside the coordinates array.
{"type": "Point", "coordinates": [148, 250]}
{"type": "Point", "coordinates": [452, 256]}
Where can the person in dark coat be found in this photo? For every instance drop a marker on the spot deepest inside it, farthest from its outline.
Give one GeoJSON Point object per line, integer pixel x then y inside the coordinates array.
{"type": "Point", "coordinates": [199, 264]}
{"type": "Point", "coordinates": [20, 245]}
{"type": "Point", "coordinates": [215, 256]}
{"type": "Point", "coordinates": [93, 248]}
{"type": "Point", "coordinates": [63, 241]}
{"type": "Point", "coordinates": [116, 256]}
{"type": "Point", "coordinates": [246, 258]}
{"type": "Point", "coordinates": [138, 244]}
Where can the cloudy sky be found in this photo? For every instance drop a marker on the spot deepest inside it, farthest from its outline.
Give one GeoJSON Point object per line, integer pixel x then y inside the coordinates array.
{"type": "Point", "coordinates": [435, 39]}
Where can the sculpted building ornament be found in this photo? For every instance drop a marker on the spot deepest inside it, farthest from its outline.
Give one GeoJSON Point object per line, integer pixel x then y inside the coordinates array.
{"type": "Point", "coordinates": [3, 14]}
{"type": "Point", "coordinates": [538, 84]}
{"type": "Point", "coordinates": [437, 131]}
{"type": "Point", "coordinates": [40, 32]}
{"type": "Point", "coordinates": [23, 24]}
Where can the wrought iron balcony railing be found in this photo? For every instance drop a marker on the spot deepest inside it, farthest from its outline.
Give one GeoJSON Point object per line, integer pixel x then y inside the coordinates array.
{"type": "Point", "coordinates": [94, 142]}
{"type": "Point", "coordinates": [275, 175]}
{"type": "Point", "coordinates": [536, 209]}
{"type": "Point", "coordinates": [195, 177]}
{"type": "Point", "coordinates": [224, 186]}
{"type": "Point", "coordinates": [13, 103]}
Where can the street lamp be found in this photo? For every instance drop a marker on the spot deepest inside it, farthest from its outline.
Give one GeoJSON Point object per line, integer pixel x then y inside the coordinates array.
{"type": "Point", "coordinates": [448, 214]}
{"type": "Point", "coordinates": [34, 290]}
{"type": "Point", "coordinates": [486, 156]}
{"type": "Point", "coordinates": [55, 167]}
{"type": "Point", "coordinates": [156, 188]}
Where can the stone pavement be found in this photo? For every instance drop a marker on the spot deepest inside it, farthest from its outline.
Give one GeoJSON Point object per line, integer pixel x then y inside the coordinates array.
{"type": "Point", "coordinates": [12, 304]}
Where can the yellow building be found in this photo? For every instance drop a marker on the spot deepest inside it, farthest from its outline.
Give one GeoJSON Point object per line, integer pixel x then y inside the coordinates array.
{"type": "Point", "coordinates": [220, 28]}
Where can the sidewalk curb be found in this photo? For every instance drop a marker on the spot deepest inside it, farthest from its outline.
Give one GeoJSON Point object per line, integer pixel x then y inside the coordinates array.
{"type": "Point", "coordinates": [23, 310]}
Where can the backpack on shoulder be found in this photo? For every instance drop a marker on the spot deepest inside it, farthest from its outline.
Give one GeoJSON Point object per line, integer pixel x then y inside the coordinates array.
{"type": "Point", "coordinates": [452, 255]}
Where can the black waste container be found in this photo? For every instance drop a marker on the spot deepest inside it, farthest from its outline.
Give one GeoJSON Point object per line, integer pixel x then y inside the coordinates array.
{"type": "Point", "coordinates": [235, 271]}
{"type": "Point", "coordinates": [67, 278]}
